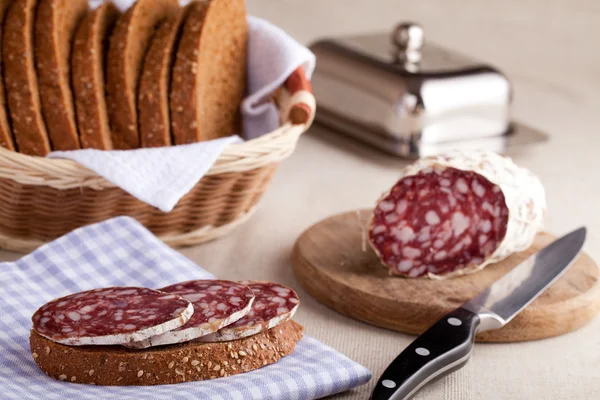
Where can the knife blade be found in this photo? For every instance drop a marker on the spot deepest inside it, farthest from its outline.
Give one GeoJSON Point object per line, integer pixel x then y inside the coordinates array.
{"type": "Point", "coordinates": [446, 346]}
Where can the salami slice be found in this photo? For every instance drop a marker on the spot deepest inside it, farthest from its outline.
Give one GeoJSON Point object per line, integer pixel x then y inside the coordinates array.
{"type": "Point", "coordinates": [274, 304]}
{"type": "Point", "coordinates": [455, 214]}
{"type": "Point", "coordinates": [111, 316]}
{"type": "Point", "coordinates": [217, 303]}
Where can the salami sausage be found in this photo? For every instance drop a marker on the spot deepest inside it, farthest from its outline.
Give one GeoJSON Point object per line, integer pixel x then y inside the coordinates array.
{"type": "Point", "coordinates": [456, 213]}
{"type": "Point", "coordinates": [111, 316]}
{"type": "Point", "coordinates": [274, 304]}
{"type": "Point", "coordinates": [217, 303]}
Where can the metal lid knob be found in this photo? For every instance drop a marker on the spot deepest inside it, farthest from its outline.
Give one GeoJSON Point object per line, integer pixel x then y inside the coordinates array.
{"type": "Point", "coordinates": [408, 38]}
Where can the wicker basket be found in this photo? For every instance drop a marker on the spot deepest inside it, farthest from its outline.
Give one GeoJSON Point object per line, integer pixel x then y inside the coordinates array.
{"type": "Point", "coordinates": [43, 198]}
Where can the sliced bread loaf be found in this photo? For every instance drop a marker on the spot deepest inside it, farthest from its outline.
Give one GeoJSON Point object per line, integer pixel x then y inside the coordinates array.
{"type": "Point", "coordinates": [128, 45]}
{"type": "Point", "coordinates": [153, 97]}
{"type": "Point", "coordinates": [20, 79]}
{"type": "Point", "coordinates": [55, 25]}
{"type": "Point", "coordinates": [185, 362]}
{"type": "Point", "coordinates": [209, 75]}
{"type": "Point", "coordinates": [6, 138]}
{"type": "Point", "coordinates": [87, 68]}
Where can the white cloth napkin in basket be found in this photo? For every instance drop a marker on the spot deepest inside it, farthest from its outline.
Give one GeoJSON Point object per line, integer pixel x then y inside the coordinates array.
{"type": "Point", "coordinates": [162, 176]}
{"type": "Point", "coordinates": [121, 252]}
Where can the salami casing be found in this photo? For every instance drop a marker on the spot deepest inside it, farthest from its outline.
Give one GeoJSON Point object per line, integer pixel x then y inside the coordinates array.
{"type": "Point", "coordinates": [111, 316]}
{"type": "Point", "coordinates": [273, 304]}
{"type": "Point", "coordinates": [455, 214]}
{"type": "Point", "coordinates": [217, 303]}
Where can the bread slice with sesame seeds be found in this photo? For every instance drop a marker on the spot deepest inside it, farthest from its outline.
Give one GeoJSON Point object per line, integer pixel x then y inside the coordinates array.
{"type": "Point", "coordinates": [87, 69]}
{"type": "Point", "coordinates": [6, 137]}
{"type": "Point", "coordinates": [185, 362]}
{"type": "Point", "coordinates": [20, 79]}
{"type": "Point", "coordinates": [209, 75]}
{"type": "Point", "coordinates": [128, 45]}
{"type": "Point", "coordinates": [55, 25]}
{"type": "Point", "coordinates": [153, 97]}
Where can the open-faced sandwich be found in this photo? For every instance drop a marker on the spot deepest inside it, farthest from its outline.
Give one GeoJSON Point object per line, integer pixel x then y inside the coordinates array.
{"type": "Point", "coordinates": [189, 331]}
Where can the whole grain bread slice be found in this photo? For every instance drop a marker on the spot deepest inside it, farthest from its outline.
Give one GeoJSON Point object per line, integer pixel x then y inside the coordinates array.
{"type": "Point", "coordinates": [20, 79]}
{"type": "Point", "coordinates": [153, 96]}
{"type": "Point", "coordinates": [55, 25]}
{"type": "Point", "coordinates": [185, 362]}
{"type": "Point", "coordinates": [209, 75]}
{"type": "Point", "coordinates": [88, 71]}
{"type": "Point", "coordinates": [6, 137]}
{"type": "Point", "coordinates": [128, 45]}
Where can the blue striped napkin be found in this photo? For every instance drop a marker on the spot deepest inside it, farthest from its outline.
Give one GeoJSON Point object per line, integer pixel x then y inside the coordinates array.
{"type": "Point", "coordinates": [121, 252]}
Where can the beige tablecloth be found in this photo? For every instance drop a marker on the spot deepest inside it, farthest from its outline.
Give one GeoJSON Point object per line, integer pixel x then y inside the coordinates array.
{"type": "Point", "coordinates": [550, 52]}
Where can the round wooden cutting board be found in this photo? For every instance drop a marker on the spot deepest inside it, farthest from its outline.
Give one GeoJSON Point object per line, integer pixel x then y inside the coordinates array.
{"type": "Point", "coordinates": [334, 263]}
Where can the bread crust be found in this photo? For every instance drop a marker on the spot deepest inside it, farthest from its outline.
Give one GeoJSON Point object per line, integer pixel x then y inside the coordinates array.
{"type": "Point", "coordinates": [128, 45]}
{"type": "Point", "coordinates": [20, 79]}
{"type": "Point", "coordinates": [209, 75]}
{"type": "Point", "coordinates": [6, 137]}
{"type": "Point", "coordinates": [186, 362]}
{"type": "Point", "coordinates": [87, 68]}
{"type": "Point", "coordinates": [55, 25]}
{"type": "Point", "coordinates": [153, 98]}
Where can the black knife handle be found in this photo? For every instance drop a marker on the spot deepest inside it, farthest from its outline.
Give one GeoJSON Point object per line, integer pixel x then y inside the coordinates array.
{"type": "Point", "coordinates": [442, 349]}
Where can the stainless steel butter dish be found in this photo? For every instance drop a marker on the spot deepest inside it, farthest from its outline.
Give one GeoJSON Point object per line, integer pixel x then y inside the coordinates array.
{"type": "Point", "coordinates": [411, 98]}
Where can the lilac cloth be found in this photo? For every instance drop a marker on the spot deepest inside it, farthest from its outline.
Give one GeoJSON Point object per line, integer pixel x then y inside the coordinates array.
{"type": "Point", "coordinates": [121, 252]}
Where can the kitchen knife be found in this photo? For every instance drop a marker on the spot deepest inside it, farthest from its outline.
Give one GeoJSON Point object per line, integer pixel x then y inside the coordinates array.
{"type": "Point", "coordinates": [446, 346]}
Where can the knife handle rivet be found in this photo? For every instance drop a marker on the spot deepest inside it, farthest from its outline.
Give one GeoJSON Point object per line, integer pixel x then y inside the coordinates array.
{"type": "Point", "coordinates": [388, 384]}
{"type": "Point", "coordinates": [454, 321]}
{"type": "Point", "coordinates": [422, 351]}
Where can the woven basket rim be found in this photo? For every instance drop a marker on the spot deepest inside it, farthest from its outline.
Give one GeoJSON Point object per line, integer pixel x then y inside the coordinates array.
{"type": "Point", "coordinates": [232, 150]}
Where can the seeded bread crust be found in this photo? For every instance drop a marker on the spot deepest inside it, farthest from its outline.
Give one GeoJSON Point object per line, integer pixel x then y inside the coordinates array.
{"type": "Point", "coordinates": [186, 362]}
{"type": "Point", "coordinates": [55, 25]}
{"type": "Point", "coordinates": [87, 63]}
{"type": "Point", "coordinates": [20, 79]}
{"type": "Point", "coordinates": [153, 100]}
{"type": "Point", "coordinates": [6, 137]}
{"type": "Point", "coordinates": [209, 75]}
{"type": "Point", "coordinates": [128, 45]}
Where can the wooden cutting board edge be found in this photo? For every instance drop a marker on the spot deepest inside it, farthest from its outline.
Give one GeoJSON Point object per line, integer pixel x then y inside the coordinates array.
{"type": "Point", "coordinates": [370, 307]}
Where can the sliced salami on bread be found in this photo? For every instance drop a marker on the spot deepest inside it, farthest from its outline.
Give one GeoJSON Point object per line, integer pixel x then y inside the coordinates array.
{"type": "Point", "coordinates": [111, 316]}
{"type": "Point", "coordinates": [153, 97]}
{"type": "Point", "coordinates": [210, 72]}
{"type": "Point", "coordinates": [185, 362]}
{"type": "Point", "coordinates": [6, 137]}
{"type": "Point", "coordinates": [20, 79]}
{"type": "Point", "coordinates": [88, 71]}
{"type": "Point", "coordinates": [128, 45]}
{"type": "Point", "coordinates": [55, 25]}
{"type": "Point", "coordinates": [273, 304]}
{"type": "Point", "coordinates": [217, 303]}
